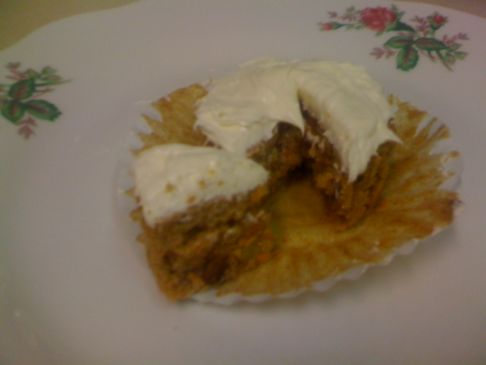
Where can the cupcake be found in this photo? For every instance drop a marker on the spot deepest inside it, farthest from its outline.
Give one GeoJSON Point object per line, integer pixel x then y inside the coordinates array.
{"type": "Point", "coordinates": [284, 177]}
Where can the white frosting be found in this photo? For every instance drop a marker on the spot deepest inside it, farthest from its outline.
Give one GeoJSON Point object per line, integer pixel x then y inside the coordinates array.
{"type": "Point", "coordinates": [242, 109]}
{"type": "Point", "coordinates": [169, 178]}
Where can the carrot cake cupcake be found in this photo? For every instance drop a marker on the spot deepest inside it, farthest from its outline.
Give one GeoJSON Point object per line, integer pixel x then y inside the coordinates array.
{"type": "Point", "coordinates": [280, 175]}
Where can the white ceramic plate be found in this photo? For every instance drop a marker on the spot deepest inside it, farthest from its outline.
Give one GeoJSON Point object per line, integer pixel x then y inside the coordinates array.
{"type": "Point", "coordinates": [74, 285]}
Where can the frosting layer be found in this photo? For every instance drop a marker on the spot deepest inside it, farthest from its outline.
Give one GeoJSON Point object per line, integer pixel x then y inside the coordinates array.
{"type": "Point", "coordinates": [169, 178]}
{"type": "Point", "coordinates": [241, 110]}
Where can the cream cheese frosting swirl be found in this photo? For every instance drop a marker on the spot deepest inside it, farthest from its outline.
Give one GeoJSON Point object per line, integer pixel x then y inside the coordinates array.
{"type": "Point", "coordinates": [242, 109]}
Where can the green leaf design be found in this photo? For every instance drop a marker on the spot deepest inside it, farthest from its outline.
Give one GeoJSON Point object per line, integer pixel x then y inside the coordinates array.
{"type": "Point", "coordinates": [460, 55]}
{"type": "Point", "coordinates": [430, 44]}
{"type": "Point", "coordinates": [53, 78]}
{"type": "Point", "coordinates": [31, 74]}
{"type": "Point", "coordinates": [400, 26]}
{"type": "Point", "coordinates": [399, 41]}
{"type": "Point", "coordinates": [13, 110]}
{"type": "Point", "coordinates": [450, 59]}
{"type": "Point", "coordinates": [22, 89]}
{"type": "Point", "coordinates": [48, 70]}
{"type": "Point", "coordinates": [394, 8]}
{"type": "Point", "coordinates": [407, 58]}
{"type": "Point", "coordinates": [455, 46]}
{"type": "Point", "coordinates": [43, 109]}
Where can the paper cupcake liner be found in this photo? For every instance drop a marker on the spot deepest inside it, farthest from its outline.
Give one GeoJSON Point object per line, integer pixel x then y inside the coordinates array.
{"type": "Point", "coordinates": [295, 274]}
{"type": "Point", "coordinates": [450, 165]}
{"type": "Point", "coordinates": [320, 286]}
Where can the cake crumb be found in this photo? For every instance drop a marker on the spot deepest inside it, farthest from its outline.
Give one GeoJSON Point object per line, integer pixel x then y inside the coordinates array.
{"type": "Point", "coordinates": [202, 184]}
{"type": "Point", "coordinates": [169, 188]}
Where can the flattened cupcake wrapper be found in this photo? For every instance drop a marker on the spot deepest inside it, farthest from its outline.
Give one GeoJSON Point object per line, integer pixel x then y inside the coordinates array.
{"type": "Point", "coordinates": [211, 296]}
{"type": "Point", "coordinates": [418, 202]}
{"type": "Point", "coordinates": [431, 140]}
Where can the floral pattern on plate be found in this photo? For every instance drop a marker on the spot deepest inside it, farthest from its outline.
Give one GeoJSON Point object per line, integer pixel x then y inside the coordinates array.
{"type": "Point", "coordinates": [412, 39]}
{"type": "Point", "coordinates": [20, 99]}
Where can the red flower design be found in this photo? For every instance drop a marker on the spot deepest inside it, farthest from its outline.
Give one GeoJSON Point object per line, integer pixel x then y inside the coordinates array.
{"type": "Point", "coordinates": [410, 41]}
{"type": "Point", "coordinates": [329, 26]}
{"type": "Point", "coordinates": [378, 19]}
{"type": "Point", "coordinates": [436, 20]}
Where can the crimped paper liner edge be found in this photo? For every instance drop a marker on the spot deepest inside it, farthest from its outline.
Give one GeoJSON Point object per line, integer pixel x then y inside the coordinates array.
{"type": "Point", "coordinates": [449, 165]}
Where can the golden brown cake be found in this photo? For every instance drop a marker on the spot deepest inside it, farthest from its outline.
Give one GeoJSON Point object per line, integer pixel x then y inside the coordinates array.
{"type": "Point", "coordinates": [302, 220]}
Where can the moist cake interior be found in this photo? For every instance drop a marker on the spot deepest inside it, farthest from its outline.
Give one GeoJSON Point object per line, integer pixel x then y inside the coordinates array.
{"type": "Point", "coordinates": [214, 242]}
{"type": "Point", "coordinates": [308, 222]}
